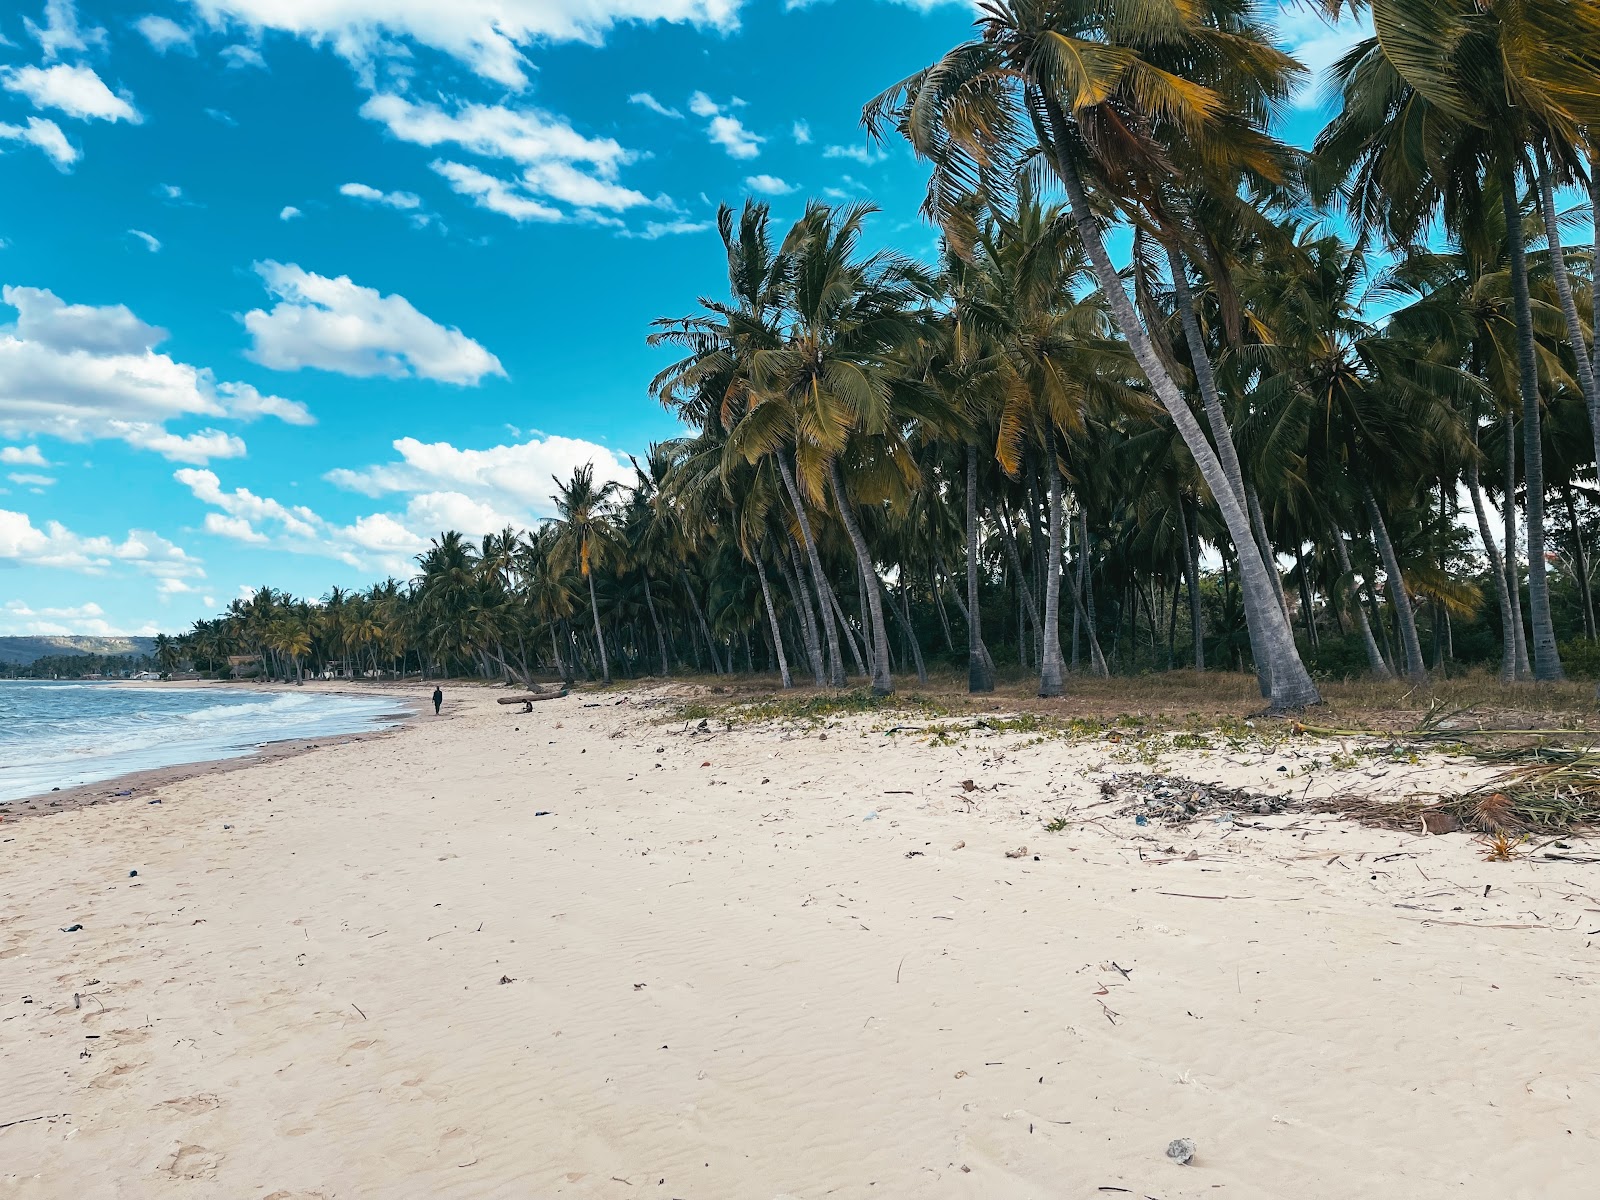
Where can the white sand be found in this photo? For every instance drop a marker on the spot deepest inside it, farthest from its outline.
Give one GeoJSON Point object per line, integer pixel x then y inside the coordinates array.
{"type": "Point", "coordinates": [726, 983]}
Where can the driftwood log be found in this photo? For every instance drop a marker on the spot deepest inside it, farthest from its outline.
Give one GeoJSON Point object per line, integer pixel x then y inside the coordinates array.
{"type": "Point", "coordinates": [528, 702]}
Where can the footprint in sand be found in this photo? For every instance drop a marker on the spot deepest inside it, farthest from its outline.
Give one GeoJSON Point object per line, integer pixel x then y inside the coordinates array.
{"type": "Point", "coordinates": [192, 1162]}
{"type": "Point", "coordinates": [296, 1196]}
{"type": "Point", "coordinates": [203, 1102]}
{"type": "Point", "coordinates": [113, 1077]}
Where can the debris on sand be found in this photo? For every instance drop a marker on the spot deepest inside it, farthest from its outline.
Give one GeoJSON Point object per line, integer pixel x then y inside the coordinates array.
{"type": "Point", "coordinates": [1175, 801]}
{"type": "Point", "coordinates": [1180, 1151]}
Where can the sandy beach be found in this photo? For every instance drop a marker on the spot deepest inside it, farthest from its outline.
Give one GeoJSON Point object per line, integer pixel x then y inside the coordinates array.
{"type": "Point", "coordinates": [584, 952]}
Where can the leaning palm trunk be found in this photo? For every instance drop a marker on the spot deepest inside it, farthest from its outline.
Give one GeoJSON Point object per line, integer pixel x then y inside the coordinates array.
{"type": "Point", "coordinates": [1051, 666]}
{"type": "Point", "coordinates": [1291, 683]}
{"type": "Point", "coordinates": [1227, 453]}
{"type": "Point", "coordinates": [902, 613]}
{"type": "Point", "coordinates": [1519, 637]}
{"type": "Point", "coordinates": [1258, 521]}
{"type": "Point", "coordinates": [849, 634]}
{"type": "Point", "coordinates": [1508, 643]}
{"type": "Point", "coordinates": [1375, 662]}
{"type": "Point", "coordinates": [1398, 599]}
{"type": "Point", "coordinates": [1569, 307]}
{"type": "Point", "coordinates": [700, 619]}
{"type": "Point", "coordinates": [819, 580]}
{"type": "Point", "coordinates": [1085, 597]}
{"type": "Point", "coordinates": [772, 620]}
{"type": "Point", "coordinates": [1191, 582]}
{"type": "Point", "coordinates": [1546, 659]}
{"type": "Point", "coordinates": [882, 681]}
{"type": "Point", "coordinates": [661, 640]}
{"type": "Point", "coordinates": [794, 572]}
{"type": "Point", "coordinates": [599, 639]}
{"type": "Point", "coordinates": [980, 668]}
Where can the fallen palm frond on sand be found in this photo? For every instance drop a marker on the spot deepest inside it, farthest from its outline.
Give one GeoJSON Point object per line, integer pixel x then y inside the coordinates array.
{"type": "Point", "coordinates": [1545, 790]}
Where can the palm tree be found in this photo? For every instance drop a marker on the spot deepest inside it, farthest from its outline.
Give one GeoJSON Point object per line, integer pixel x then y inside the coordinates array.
{"type": "Point", "coordinates": [584, 538]}
{"type": "Point", "coordinates": [1096, 89]}
{"type": "Point", "coordinates": [167, 653]}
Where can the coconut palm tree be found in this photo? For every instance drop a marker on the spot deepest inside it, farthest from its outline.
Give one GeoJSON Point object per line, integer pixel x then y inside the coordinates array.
{"type": "Point", "coordinates": [585, 539]}
{"type": "Point", "coordinates": [1094, 91]}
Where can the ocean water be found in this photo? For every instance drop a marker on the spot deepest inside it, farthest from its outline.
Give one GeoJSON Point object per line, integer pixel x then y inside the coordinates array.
{"type": "Point", "coordinates": [66, 734]}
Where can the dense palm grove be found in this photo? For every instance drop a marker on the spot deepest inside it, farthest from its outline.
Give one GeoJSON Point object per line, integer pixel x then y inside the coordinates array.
{"type": "Point", "coordinates": [1338, 414]}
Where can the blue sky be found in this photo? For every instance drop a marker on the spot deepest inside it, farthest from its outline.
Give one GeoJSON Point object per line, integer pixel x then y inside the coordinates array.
{"type": "Point", "coordinates": [291, 285]}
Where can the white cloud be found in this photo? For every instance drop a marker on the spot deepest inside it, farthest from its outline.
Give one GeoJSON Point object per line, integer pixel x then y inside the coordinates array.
{"type": "Point", "coordinates": [47, 136]}
{"type": "Point", "coordinates": [487, 35]}
{"type": "Point", "coordinates": [74, 90]}
{"type": "Point", "coordinates": [81, 372]}
{"type": "Point", "coordinates": [241, 57]}
{"type": "Point", "coordinates": [802, 133]}
{"type": "Point", "coordinates": [518, 474]}
{"type": "Point", "coordinates": [725, 129]}
{"type": "Point", "coordinates": [363, 191]}
{"type": "Point", "coordinates": [151, 243]}
{"type": "Point", "coordinates": [495, 194]}
{"type": "Point", "coordinates": [865, 155]}
{"type": "Point", "coordinates": [22, 456]}
{"type": "Point", "coordinates": [60, 30]}
{"type": "Point", "coordinates": [57, 546]}
{"type": "Point", "coordinates": [557, 162]}
{"type": "Point", "coordinates": [24, 479]}
{"type": "Point", "coordinates": [648, 101]}
{"type": "Point", "coordinates": [661, 229]}
{"type": "Point", "coordinates": [768, 185]}
{"type": "Point", "coordinates": [288, 212]}
{"type": "Point", "coordinates": [17, 618]}
{"type": "Point", "coordinates": [337, 325]}
{"type": "Point", "coordinates": [1317, 44]}
{"type": "Point", "coordinates": [164, 34]}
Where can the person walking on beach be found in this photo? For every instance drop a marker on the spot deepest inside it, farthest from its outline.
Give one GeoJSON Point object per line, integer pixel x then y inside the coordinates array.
{"type": "Point", "coordinates": [438, 699]}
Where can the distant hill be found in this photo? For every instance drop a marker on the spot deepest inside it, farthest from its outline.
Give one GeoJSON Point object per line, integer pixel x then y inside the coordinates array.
{"type": "Point", "coordinates": [23, 650]}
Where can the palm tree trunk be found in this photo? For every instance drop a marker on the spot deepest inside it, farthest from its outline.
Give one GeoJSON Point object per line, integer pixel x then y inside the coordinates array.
{"type": "Point", "coordinates": [902, 613]}
{"type": "Point", "coordinates": [1396, 591]}
{"type": "Point", "coordinates": [1191, 582]}
{"type": "Point", "coordinates": [599, 640]}
{"type": "Point", "coordinates": [1375, 662]}
{"type": "Point", "coordinates": [1029, 608]}
{"type": "Point", "coordinates": [936, 586]}
{"type": "Point", "coordinates": [849, 635]}
{"type": "Point", "coordinates": [1580, 558]}
{"type": "Point", "coordinates": [1086, 586]}
{"type": "Point", "coordinates": [1497, 569]}
{"type": "Point", "coordinates": [819, 580]}
{"type": "Point", "coordinates": [1546, 658]}
{"type": "Point", "coordinates": [700, 618]}
{"type": "Point", "coordinates": [1519, 637]}
{"type": "Point", "coordinates": [772, 620]}
{"type": "Point", "coordinates": [1569, 307]}
{"type": "Point", "coordinates": [980, 667]}
{"type": "Point", "coordinates": [1258, 523]}
{"type": "Point", "coordinates": [1292, 686]}
{"type": "Point", "coordinates": [794, 572]}
{"type": "Point", "coordinates": [655, 622]}
{"type": "Point", "coordinates": [1051, 667]}
{"type": "Point", "coordinates": [882, 680]}
{"type": "Point", "coordinates": [1227, 453]}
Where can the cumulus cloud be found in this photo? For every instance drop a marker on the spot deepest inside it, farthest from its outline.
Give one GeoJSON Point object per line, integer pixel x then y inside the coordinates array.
{"type": "Point", "coordinates": [646, 100]}
{"type": "Point", "coordinates": [802, 132]}
{"type": "Point", "coordinates": [60, 30]}
{"type": "Point", "coordinates": [74, 90]}
{"type": "Point", "coordinates": [1317, 44]}
{"type": "Point", "coordinates": [489, 36]}
{"type": "Point", "coordinates": [288, 212]}
{"type": "Point", "coordinates": [724, 129]}
{"type": "Point", "coordinates": [865, 155]}
{"type": "Point", "coordinates": [363, 191]}
{"type": "Point", "coordinates": [23, 544]}
{"type": "Point", "coordinates": [22, 456]}
{"type": "Point", "coordinates": [768, 185]}
{"type": "Point", "coordinates": [164, 34]}
{"type": "Point", "coordinates": [337, 325]}
{"type": "Point", "coordinates": [27, 479]}
{"type": "Point", "coordinates": [47, 136]}
{"type": "Point", "coordinates": [241, 58]}
{"type": "Point", "coordinates": [495, 194]}
{"type": "Point", "coordinates": [151, 243]}
{"type": "Point", "coordinates": [81, 372]}
{"type": "Point", "coordinates": [661, 229]}
{"type": "Point", "coordinates": [556, 162]}
{"type": "Point", "coordinates": [19, 619]}
{"type": "Point", "coordinates": [519, 474]}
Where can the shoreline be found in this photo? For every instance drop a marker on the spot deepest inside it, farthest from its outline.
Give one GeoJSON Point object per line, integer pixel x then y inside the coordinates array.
{"type": "Point", "coordinates": [137, 784]}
